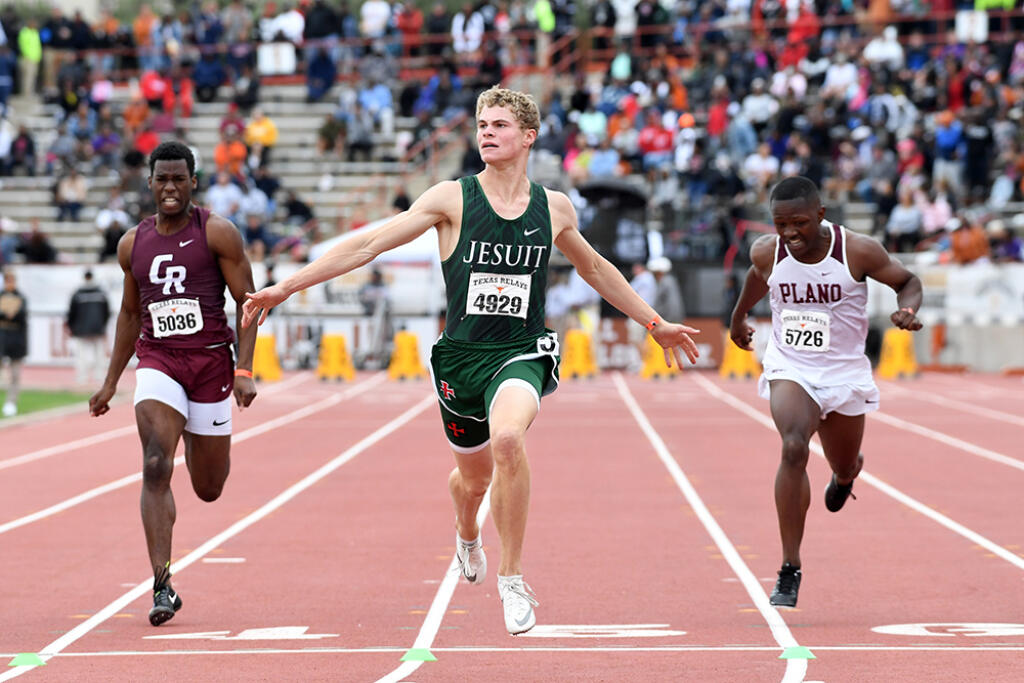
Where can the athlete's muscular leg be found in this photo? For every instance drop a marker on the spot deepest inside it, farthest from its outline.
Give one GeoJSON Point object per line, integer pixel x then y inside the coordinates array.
{"type": "Point", "coordinates": [209, 460]}
{"type": "Point", "coordinates": [513, 411]}
{"type": "Point", "coordinates": [841, 436]}
{"type": "Point", "coordinates": [160, 426]}
{"type": "Point", "coordinates": [796, 417]}
{"type": "Point", "coordinates": [468, 483]}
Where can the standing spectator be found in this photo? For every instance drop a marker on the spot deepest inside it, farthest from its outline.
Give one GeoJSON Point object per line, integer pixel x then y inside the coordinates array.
{"type": "Point", "coordinates": [949, 152]}
{"type": "Point", "coordinates": [409, 22]}
{"type": "Point", "coordinates": [467, 30]}
{"type": "Point", "coordinates": [72, 191]}
{"type": "Point", "coordinates": [374, 16]}
{"type": "Point", "coordinates": [8, 65]}
{"type": "Point", "coordinates": [87, 318]}
{"type": "Point", "coordinates": [668, 296]}
{"type": "Point", "coordinates": [437, 29]}
{"type": "Point", "coordinates": [30, 54]}
{"type": "Point", "coordinates": [13, 338]}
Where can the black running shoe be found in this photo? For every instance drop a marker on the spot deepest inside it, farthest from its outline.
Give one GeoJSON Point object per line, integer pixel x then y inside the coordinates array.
{"type": "Point", "coordinates": [786, 587]}
{"type": "Point", "coordinates": [165, 603]}
{"type": "Point", "coordinates": [836, 495]}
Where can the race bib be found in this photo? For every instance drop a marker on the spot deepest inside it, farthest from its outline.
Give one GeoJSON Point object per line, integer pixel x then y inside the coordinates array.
{"type": "Point", "coordinates": [805, 330]}
{"type": "Point", "coordinates": [493, 294]}
{"type": "Point", "coordinates": [176, 316]}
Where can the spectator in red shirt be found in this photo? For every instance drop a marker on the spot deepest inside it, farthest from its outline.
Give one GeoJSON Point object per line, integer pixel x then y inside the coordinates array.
{"type": "Point", "coordinates": [655, 142]}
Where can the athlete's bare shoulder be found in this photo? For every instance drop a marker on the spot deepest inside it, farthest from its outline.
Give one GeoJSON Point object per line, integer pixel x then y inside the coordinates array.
{"type": "Point", "coordinates": [124, 248]}
{"type": "Point", "coordinates": [563, 213]}
{"type": "Point", "coordinates": [864, 254]}
{"type": "Point", "coordinates": [762, 253]}
{"type": "Point", "coordinates": [222, 237]}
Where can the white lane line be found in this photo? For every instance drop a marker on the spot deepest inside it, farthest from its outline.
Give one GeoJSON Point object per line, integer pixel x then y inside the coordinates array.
{"type": "Point", "coordinates": [432, 621]}
{"type": "Point", "coordinates": [241, 437]}
{"type": "Point", "coordinates": [796, 668]}
{"type": "Point", "coordinates": [948, 440]}
{"type": "Point", "coordinates": [115, 433]}
{"type": "Point", "coordinates": [223, 560]}
{"type": "Point", "coordinates": [241, 525]}
{"type": "Point", "coordinates": [868, 478]}
{"type": "Point", "coordinates": [956, 404]}
{"type": "Point", "coordinates": [538, 649]}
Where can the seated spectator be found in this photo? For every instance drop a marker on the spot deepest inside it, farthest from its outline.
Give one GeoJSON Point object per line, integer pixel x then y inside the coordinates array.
{"type": "Point", "coordinates": [22, 154]}
{"type": "Point", "coordinates": [260, 135]}
{"type": "Point", "coordinates": [320, 75]}
{"type": "Point", "coordinates": [135, 115]}
{"type": "Point", "coordinates": [61, 152]}
{"type": "Point", "coordinates": [258, 238]}
{"type": "Point", "coordinates": [180, 93]}
{"type": "Point", "coordinates": [230, 155]}
{"type": "Point", "coordinates": [1005, 245]}
{"type": "Point", "coordinates": [330, 136]}
{"type": "Point", "coordinates": [35, 246]}
{"type": "Point", "coordinates": [106, 148]}
{"type": "Point", "coordinates": [146, 141]}
{"type": "Point", "coordinates": [208, 75]}
{"type": "Point", "coordinates": [72, 191]}
{"type": "Point", "coordinates": [904, 228]}
{"type": "Point", "coordinates": [761, 169]}
{"type": "Point", "coordinates": [82, 124]}
{"type": "Point", "coordinates": [359, 137]}
{"type": "Point", "coordinates": [9, 240]}
{"type": "Point", "coordinates": [376, 99]}
{"type": "Point", "coordinates": [224, 197]}
{"type": "Point", "coordinates": [112, 222]}
{"type": "Point", "coordinates": [233, 123]}
{"type": "Point", "coordinates": [968, 242]}
{"type": "Point", "coordinates": [298, 213]}
{"type": "Point", "coordinates": [269, 184]}
{"type": "Point", "coordinates": [152, 85]}
{"type": "Point", "coordinates": [245, 91]}
{"type": "Point", "coordinates": [655, 142]}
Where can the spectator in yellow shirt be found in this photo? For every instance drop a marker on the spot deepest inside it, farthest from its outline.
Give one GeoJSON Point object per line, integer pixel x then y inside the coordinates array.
{"type": "Point", "coordinates": [260, 135]}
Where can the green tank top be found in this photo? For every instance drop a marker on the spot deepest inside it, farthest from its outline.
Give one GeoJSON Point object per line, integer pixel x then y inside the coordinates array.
{"type": "Point", "coordinates": [497, 276]}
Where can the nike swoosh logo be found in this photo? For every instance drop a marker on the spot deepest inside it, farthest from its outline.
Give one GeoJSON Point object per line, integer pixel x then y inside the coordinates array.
{"type": "Point", "coordinates": [528, 233]}
{"type": "Point", "coordinates": [525, 620]}
{"type": "Point", "coordinates": [218, 424]}
{"type": "Point", "coordinates": [186, 243]}
{"type": "Point", "coordinates": [225, 387]}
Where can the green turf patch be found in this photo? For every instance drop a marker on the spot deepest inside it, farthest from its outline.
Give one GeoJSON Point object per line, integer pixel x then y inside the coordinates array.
{"type": "Point", "coordinates": [32, 400]}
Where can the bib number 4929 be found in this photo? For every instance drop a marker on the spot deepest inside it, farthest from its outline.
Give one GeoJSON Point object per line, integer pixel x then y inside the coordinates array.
{"type": "Point", "coordinates": [499, 304]}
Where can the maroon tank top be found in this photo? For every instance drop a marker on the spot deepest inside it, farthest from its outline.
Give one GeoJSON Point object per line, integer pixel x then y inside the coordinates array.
{"type": "Point", "coordinates": [181, 287]}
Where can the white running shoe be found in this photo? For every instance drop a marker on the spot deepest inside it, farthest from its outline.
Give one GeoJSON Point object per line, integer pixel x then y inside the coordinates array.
{"type": "Point", "coordinates": [10, 409]}
{"type": "Point", "coordinates": [518, 601]}
{"type": "Point", "coordinates": [472, 560]}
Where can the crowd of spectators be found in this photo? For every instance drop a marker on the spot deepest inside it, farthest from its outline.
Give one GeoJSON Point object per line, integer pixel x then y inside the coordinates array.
{"type": "Point", "coordinates": [710, 102]}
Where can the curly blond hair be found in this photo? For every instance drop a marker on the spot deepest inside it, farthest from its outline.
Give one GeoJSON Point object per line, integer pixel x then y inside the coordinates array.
{"type": "Point", "coordinates": [522, 106]}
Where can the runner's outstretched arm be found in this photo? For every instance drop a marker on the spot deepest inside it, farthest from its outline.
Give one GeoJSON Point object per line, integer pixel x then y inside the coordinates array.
{"type": "Point", "coordinates": [428, 210]}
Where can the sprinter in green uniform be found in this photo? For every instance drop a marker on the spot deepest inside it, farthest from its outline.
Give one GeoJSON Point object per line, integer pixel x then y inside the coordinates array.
{"type": "Point", "coordinates": [495, 359]}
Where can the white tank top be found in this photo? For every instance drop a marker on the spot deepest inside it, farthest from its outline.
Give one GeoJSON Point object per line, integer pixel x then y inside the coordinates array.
{"type": "Point", "coordinates": [819, 317]}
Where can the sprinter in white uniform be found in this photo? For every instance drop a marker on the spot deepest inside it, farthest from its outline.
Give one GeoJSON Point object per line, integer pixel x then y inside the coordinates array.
{"type": "Point", "coordinates": [815, 372]}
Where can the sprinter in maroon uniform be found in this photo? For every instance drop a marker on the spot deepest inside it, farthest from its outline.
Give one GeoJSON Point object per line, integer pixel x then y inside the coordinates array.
{"type": "Point", "coordinates": [176, 265]}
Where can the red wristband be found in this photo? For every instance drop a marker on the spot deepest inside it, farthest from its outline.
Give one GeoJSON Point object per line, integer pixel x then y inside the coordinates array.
{"type": "Point", "coordinates": [650, 325]}
{"type": "Point", "coordinates": [243, 373]}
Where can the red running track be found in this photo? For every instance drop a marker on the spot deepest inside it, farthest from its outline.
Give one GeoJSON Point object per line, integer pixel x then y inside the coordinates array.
{"type": "Point", "coordinates": [651, 545]}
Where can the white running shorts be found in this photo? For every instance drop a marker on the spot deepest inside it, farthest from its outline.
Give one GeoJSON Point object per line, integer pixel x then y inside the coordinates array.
{"type": "Point", "coordinates": [210, 419]}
